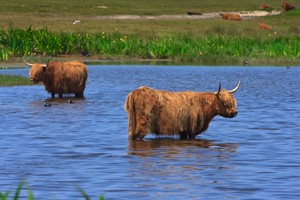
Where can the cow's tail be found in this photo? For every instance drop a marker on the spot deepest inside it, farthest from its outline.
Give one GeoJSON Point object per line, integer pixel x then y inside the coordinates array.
{"type": "Point", "coordinates": [130, 108]}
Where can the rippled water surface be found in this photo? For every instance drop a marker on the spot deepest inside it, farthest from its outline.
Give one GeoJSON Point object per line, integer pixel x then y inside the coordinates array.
{"type": "Point", "coordinates": [253, 156]}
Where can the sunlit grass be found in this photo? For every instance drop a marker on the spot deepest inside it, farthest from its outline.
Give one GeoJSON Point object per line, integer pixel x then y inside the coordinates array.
{"type": "Point", "coordinates": [19, 42]}
{"type": "Point", "coordinates": [10, 80]}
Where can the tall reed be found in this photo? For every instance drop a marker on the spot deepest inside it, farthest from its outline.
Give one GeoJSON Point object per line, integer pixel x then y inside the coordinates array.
{"type": "Point", "coordinates": [18, 42]}
{"type": "Point", "coordinates": [30, 196]}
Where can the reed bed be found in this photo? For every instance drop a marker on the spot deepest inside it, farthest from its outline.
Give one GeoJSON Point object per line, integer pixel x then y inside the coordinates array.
{"type": "Point", "coordinates": [10, 80]}
{"type": "Point", "coordinates": [30, 196]}
{"type": "Point", "coordinates": [16, 42]}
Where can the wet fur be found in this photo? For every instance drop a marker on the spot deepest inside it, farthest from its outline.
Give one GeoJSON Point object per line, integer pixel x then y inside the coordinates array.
{"type": "Point", "coordinates": [61, 77]}
{"type": "Point", "coordinates": [186, 114]}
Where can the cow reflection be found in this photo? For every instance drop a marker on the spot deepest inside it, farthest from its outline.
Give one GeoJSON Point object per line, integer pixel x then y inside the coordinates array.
{"type": "Point", "coordinates": [172, 146]}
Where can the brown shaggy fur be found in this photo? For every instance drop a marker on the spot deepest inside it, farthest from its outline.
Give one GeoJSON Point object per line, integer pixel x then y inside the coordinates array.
{"type": "Point", "coordinates": [186, 114]}
{"type": "Point", "coordinates": [230, 16]}
{"type": "Point", "coordinates": [264, 26]}
{"type": "Point", "coordinates": [285, 6]}
{"type": "Point", "coordinates": [265, 6]}
{"type": "Point", "coordinates": [61, 77]}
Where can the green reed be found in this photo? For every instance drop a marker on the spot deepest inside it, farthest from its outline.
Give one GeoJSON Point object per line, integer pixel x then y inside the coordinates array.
{"type": "Point", "coordinates": [10, 80]}
{"type": "Point", "coordinates": [18, 42]}
{"type": "Point", "coordinates": [30, 196]}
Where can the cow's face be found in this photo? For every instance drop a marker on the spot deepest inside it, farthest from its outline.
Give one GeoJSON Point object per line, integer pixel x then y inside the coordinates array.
{"type": "Point", "coordinates": [227, 104]}
{"type": "Point", "coordinates": [36, 73]}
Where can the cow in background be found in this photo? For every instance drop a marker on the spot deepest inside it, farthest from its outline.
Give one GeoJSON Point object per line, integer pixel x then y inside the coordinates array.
{"type": "Point", "coordinates": [185, 114]}
{"type": "Point", "coordinates": [230, 16]}
{"type": "Point", "coordinates": [264, 26]}
{"type": "Point", "coordinates": [285, 6]}
{"type": "Point", "coordinates": [265, 6]}
{"type": "Point", "coordinates": [60, 77]}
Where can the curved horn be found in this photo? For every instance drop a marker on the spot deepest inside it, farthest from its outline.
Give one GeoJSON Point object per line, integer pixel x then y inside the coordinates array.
{"type": "Point", "coordinates": [47, 63]}
{"type": "Point", "coordinates": [236, 88]}
{"type": "Point", "coordinates": [217, 93]}
{"type": "Point", "coordinates": [28, 64]}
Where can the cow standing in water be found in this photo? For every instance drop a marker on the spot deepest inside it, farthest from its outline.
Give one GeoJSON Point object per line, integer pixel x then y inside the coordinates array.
{"type": "Point", "coordinates": [186, 114]}
{"type": "Point", "coordinates": [60, 77]}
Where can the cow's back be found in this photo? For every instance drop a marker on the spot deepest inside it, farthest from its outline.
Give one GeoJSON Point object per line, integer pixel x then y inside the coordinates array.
{"type": "Point", "coordinates": [66, 77]}
{"type": "Point", "coordinates": [164, 113]}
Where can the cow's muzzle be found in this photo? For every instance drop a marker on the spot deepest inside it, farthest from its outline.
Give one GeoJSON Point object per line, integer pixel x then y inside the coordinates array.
{"type": "Point", "coordinates": [34, 80]}
{"type": "Point", "coordinates": [234, 114]}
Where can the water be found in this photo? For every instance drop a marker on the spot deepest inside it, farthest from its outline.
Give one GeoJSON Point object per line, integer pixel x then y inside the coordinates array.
{"type": "Point", "coordinates": [253, 156]}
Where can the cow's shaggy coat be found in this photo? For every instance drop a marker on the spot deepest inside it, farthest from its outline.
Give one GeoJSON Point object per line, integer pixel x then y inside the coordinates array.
{"type": "Point", "coordinates": [285, 6]}
{"type": "Point", "coordinates": [230, 16]}
{"type": "Point", "coordinates": [262, 25]}
{"type": "Point", "coordinates": [60, 77]}
{"type": "Point", "coordinates": [186, 114]}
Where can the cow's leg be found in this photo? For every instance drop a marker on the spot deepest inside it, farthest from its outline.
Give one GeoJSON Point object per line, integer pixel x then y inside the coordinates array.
{"type": "Point", "coordinates": [52, 94]}
{"type": "Point", "coordinates": [60, 95]}
{"type": "Point", "coordinates": [191, 136]}
{"type": "Point", "coordinates": [141, 128]}
{"type": "Point", "coordinates": [183, 135]}
{"type": "Point", "coordinates": [80, 94]}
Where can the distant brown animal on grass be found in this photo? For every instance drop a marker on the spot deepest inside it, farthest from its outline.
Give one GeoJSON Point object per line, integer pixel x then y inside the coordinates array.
{"type": "Point", "coordinates": [285, 6]}
{"type": "Point", "coordinates": [264, 26]}
{"type": "Point", "coordinates": [265, 6]}
{"type": "Point", "coordinates": [185, 114]}
{"type": "Point", "coordinates": [60, 77]}
{"type": "Point", "coordinates": [230, 16]}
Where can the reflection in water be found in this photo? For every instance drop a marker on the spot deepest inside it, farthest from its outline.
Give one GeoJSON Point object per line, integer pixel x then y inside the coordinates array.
{"type": "Point", "coordinates": [58, 101]}
{"type": "Point", "coordinates": [172, 146]}
{"type": "Point", "coordinates": [168, 165]}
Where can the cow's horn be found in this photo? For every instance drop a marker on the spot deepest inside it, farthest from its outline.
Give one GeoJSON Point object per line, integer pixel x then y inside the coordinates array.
{"type": "Point", "coordinates": [28, 64]}
{"type": "Point", "coordinates": [47, 63]}
{"type": "Point", "coordinates": [236, 88]}
{"type": "Point", "coordinates": [217, 93]}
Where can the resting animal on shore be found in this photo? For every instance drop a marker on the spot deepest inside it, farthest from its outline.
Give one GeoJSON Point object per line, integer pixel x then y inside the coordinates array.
{"type": "Point", "coordinates": [185, 114]}
{"type": "Point", "coordinates": [264, 26]}
{"type": "Point", "coordinates": [230, 16]}
{"type": "Point", "coordinates": [285, 6]}
{"type": "Point", "coordinates": [265, 6]}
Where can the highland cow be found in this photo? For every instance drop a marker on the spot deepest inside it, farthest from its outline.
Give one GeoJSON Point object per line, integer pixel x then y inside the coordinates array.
{"type": "Point", "coordinates": [60, 77]}
{"type": "Point", "coordinates": [230, 16]}
{"type": "Point", "coordinates": [185, 114]}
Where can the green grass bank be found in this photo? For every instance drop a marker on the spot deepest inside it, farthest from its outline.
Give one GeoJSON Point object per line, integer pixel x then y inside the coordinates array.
{"type": "Point", "coordinates": [47, 29]}
{"type": "Point", "coordinates": [10, 80]}
{"type": "Point", "coordinates": [180, 48]}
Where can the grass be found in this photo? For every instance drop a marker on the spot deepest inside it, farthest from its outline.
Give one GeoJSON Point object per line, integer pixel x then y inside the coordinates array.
{"type": "Point", "coordinates": [58, 15]}
{"type": "Point", "coordinates": [10, 80]}
{"type": "Point", "coordinates": [46, 28]}
{"type": "Point", "coordinates": [207, 49]}
{"type": "Point", "coordinates": [30, 196]}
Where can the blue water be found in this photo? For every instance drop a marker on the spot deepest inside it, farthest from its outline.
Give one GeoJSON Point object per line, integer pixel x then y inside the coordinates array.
{"type": "Point", "coordinates": [255, 155]}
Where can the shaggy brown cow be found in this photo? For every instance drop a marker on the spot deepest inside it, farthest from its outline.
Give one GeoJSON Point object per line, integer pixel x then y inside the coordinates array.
{"type": "Point", "coordinates": [285, 6]}
{"type": "Point", "coordinates": [186, 114]}
{"type": "Point", "coordinates": [265, 6]}
{"type": "Point", "coordinates": [230, 16]}
{"type": "Point", "coordinates": [264, 26]}
{"type": "Point", "coordinates": [60, 77]}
